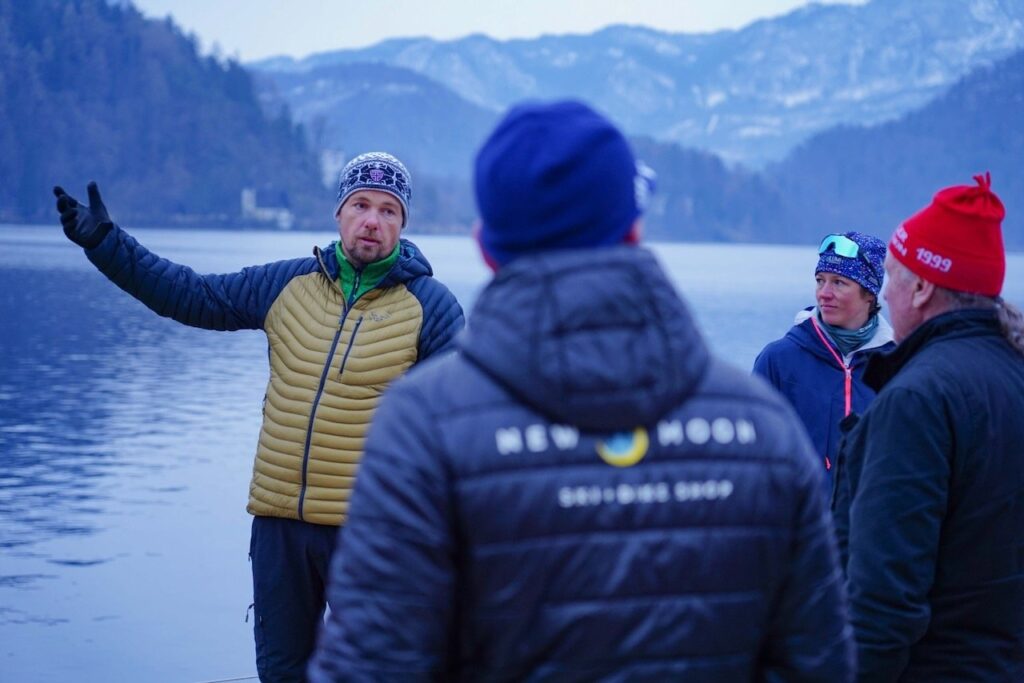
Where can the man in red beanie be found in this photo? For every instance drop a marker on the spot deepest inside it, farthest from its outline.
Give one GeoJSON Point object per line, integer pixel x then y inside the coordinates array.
{"type": "Point", "coordinates": [929, 497]}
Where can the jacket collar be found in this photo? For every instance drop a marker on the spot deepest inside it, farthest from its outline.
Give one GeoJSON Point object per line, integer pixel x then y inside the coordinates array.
{"type": "Point", "coordinates": [882, 367]}
{"type": "Point", "coordinates": [411, 263]}
{"type": "Point", "coordinates": [802, 333]}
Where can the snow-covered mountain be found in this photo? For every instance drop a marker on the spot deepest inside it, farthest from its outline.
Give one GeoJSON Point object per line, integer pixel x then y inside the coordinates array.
{"type": "Point", "coordinates": [359, 107]}
{"type": "Point", "coordinates": [749, 95]}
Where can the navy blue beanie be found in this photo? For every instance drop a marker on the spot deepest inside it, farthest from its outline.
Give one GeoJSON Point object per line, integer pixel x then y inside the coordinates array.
{"type": "Point", "coordinates": [555, 176]}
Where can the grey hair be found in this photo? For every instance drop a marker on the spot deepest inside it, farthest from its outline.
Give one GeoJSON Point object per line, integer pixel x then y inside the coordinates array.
{"type": "Point", "coordinates": [1011, 319]}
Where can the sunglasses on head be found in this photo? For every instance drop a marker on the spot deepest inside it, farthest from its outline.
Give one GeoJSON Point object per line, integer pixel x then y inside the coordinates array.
{"type": "Point", "coordinates": [841, 245]}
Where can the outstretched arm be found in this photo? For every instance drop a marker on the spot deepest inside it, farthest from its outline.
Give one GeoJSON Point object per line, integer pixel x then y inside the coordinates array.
{"type": "Point", "coordinates": [218, 302]}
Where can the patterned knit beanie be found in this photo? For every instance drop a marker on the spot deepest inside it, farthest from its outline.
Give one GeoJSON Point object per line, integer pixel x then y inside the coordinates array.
{"type": "Point", "coordinates": [376, 171]}
{"type": "Point", "coordinates": [556, 176]}
{"type": "Point", "coordinates": [866, 266]}
{"type": "Point", "coordinates": [956, 242]}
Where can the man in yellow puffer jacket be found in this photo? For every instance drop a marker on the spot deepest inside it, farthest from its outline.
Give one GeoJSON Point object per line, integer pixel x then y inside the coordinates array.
{"type": "Point", "coordinates": [341, 325]}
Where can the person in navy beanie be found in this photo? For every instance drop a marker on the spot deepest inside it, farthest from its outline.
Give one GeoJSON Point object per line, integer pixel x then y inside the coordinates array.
{"type": "Point", "coordinates": [819, 364]}
{"type": "Point", "coordinates": [929, 491]}
{"type": "Point", "coordinates": [551, 501]}
{"type": "Point", "coordinates": [556, 177]}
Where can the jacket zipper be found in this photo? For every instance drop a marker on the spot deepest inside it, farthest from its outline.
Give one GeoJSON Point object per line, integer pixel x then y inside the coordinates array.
{"type": "Point", "coordinates": [348, 349]}
{"type": "Point", "coordinates": [313, 409]}
{"type": "Point", "coordinates": [847, 373]}
{"type": "Point", "coordinates": [346, 307]}
{"type": "Point", "coordinates": [352, 298]}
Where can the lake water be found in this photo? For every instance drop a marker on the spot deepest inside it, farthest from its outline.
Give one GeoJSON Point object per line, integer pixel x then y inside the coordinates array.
{"type": "Point", "coordinates": [126, 443]}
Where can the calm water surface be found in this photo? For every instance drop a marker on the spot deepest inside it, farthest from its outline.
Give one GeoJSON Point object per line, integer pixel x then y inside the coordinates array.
{"type": "Point", "coordinates": [126, 443]}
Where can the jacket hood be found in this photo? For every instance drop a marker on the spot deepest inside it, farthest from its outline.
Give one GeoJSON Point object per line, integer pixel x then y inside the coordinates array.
{"type": "Point", "coordinates": [411, 263]}
{"type": "Point", "coordinates": [802, 334]}
{"type": "Point", "coordinates": [596, 338]}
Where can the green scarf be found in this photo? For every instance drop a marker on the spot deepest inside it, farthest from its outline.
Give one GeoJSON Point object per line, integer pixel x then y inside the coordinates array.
{"type": "Point", "coordinates": [354, 283]}
{"type": "Point", "coordinates": [849, 341]}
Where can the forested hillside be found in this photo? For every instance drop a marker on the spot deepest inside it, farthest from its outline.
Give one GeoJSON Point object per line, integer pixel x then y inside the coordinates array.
{"type": "Point", "coordinates": [699, 199]}
{"type": "Point", "coordinates": [91, 90]}
{"type": "Point", "coordinates": [870, 178]}
{"type": "Point", "coordinates": [865, 178]}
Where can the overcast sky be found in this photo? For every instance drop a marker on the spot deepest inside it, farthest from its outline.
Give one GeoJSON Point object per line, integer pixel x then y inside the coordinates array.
{"type": "Point", "coordinates": [254, 29]}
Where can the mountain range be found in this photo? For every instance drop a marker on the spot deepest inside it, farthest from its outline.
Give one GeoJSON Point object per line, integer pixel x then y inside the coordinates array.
{"type": "Point", "coordinates": [896, 103]}
{"type": "Point", "coordinates": [748, 95]}
{"type": "Point", "coordinates": [864, 178]}
{"type": "Point", "coordinates": [90, 89]}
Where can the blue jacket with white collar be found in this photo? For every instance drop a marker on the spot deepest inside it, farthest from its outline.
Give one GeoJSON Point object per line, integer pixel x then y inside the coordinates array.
{"type": "Point", "coordinates": [806, 367]}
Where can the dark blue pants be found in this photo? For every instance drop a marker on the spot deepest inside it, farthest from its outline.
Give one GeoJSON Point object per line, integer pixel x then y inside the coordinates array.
{"type": "Point", "coordinates": [290, 564]}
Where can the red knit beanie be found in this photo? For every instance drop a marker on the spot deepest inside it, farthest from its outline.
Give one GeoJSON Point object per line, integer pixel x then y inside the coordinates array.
{"type": "Point", "coordinates": [956, 242]}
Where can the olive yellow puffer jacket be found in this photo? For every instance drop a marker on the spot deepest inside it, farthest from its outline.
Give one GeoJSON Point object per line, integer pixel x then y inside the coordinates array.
{"type": "Point", "coordinates": [330, 358]}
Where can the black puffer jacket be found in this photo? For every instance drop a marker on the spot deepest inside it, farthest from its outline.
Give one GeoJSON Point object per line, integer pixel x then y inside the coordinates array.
{"type": "Point", "coordinates": [929, 508]}
{"type": "Point", "coordinates": [584, 493]}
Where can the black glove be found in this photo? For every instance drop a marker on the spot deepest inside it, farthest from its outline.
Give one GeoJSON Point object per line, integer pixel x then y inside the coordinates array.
{"type": "Point", "coordinates": [85, 226]}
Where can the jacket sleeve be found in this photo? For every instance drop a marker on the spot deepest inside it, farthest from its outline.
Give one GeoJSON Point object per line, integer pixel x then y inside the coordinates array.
{"type": "Point", "coordinates": [809, 637]}
{"type": "Point", "coordinates": [391, 588]}
{"type": "Point", "coordinates": [895, 518]}
{"type": "Point", "coordinates": [216, 302]}
{"type": "Point", "coordinates": [442, 319]}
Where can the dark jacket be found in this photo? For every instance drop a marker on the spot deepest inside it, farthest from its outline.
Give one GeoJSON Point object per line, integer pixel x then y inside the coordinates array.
{"type": "Point", "coordinates": [330, 358]}
{"type": "Point", "coordinates": [930, 508]}
{"type": "Point", "coordinates": [812, 377]}
{"type": "Point", "coordinates": [584, 493]}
